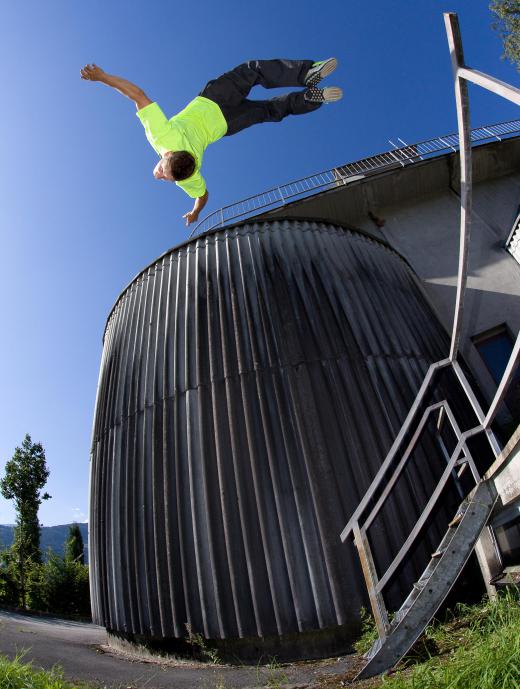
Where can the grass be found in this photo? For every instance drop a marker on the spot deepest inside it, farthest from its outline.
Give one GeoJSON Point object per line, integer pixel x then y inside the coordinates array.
{"type": "Point", "coordinates": [476, 647]}
{"type": "Point", "coordinates": [200, 646]}
{"type": "Point", "coordinates": [276, 676]}
{"type": "Point", "coordinates": [479, 648]}
{"type": "Point", "coordinates": [14, 674]}
{"type": "Point", "coordinates": [368, 632]}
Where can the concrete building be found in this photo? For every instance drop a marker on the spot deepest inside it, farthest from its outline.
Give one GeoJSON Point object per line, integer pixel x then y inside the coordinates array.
{"type": "Point", "coordinates": [416, 209]}
{"type": "Point", "coordinates": [181, 377]}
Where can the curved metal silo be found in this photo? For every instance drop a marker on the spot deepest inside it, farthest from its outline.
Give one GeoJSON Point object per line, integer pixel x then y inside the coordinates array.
{"type": "Point", "coordinates": [251, 383]}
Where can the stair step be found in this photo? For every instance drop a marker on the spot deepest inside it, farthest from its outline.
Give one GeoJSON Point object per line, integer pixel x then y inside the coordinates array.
{"type": "Point", "coordinates": [435, 583]}
{"type": "Point", "coordinates": [437, 554]}
{"type": "Point", "coordinates": [456, 520]}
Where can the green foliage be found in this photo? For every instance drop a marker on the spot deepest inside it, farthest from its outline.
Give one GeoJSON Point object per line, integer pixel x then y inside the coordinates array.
{"type": "Point", "coordinates": [9, 586]}
{"type": "Point", "coordinates": [17, 675]}
{"type": "Point", "coordinates": [200, 646]}
{"type": "Point", "coordinates": [277, 678]}
{"type": "Point", "coordinates": [61, 586]}
{"type": "Point", "coordinates": [58, 586]}
{"type": "Point", "coordinates": [25, 476]}
{"type": "Point", "coordinates": [368, 632]}
{"type": "Point", "coordinates": [74, 546]}
{"type": "Point", "coordinates": [508, 27]}
{"type": "Point", "coordinates": [478, 649]}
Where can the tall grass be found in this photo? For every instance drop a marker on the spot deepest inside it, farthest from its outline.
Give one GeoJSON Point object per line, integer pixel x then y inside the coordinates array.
{"type": "Point", "coordinates": [479, 648]}
{"type": "Point", "coordinates": [14, 674]}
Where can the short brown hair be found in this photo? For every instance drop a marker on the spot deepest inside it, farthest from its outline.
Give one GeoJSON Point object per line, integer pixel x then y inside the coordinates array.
{"type": "Point", "coordinates": [182, 165]}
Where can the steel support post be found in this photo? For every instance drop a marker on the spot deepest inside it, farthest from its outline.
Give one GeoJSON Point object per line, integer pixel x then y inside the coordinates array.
{"type": "Point", "coordinates": [462, 103]}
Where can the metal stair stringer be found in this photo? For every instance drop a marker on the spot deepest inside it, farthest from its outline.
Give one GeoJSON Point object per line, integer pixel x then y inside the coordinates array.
{"type": "Point", "coordinates": [435, 583]}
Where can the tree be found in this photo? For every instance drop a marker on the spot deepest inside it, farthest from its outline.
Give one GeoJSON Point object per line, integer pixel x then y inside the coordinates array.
{"type": "Point", "coordinates": [74, 545]}
{"type": "Point", "coordinates": [25, 476]}
{"type": "Point", "coordinates": [508, 27]}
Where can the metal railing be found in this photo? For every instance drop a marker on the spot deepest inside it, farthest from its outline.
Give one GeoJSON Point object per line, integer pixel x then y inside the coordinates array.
{"type": "Point", "coordinates": [349, 172]}
{"type": "Point", "coordinates": [389, 472]}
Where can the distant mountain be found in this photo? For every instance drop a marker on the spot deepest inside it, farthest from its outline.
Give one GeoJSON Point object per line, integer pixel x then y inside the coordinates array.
{"type": "Point", "coordinates": [52, 537]}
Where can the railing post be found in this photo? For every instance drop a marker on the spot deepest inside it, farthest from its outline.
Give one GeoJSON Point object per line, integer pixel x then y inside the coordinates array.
{"type": "Point", "coordinates": [369, 571]}
{"type": "Point", "coordinates": [462, 102]}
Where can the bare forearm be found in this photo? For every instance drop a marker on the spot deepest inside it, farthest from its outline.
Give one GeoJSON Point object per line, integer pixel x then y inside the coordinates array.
{"type": "Point", "coordinates": [193, 215]}
{"type": "Point", "coordinates": [123, 86]}
{"type": "Point", "coordinates": [126, 88]}
{"type": "Point", "coordinates": [200, 203]}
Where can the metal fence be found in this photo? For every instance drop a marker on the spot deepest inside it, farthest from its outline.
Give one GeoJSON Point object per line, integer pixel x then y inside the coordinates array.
{"type": "Point", "coordinates": [343, 174]}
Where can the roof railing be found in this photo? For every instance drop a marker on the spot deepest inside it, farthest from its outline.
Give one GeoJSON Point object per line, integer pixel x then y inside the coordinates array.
{"type": "Point", "coordinates": [349, 172]}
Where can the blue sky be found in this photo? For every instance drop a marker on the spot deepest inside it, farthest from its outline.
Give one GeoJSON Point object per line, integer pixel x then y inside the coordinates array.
{"type": "Point", "coordinates": [80, 212]}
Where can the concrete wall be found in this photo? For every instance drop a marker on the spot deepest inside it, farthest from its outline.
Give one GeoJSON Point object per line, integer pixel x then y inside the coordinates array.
{"type": "Point", "coordinates": [416, 209]}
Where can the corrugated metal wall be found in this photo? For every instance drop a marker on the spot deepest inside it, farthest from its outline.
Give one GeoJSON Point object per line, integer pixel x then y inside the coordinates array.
{"type": "Point", "coordinates": [251, 383]}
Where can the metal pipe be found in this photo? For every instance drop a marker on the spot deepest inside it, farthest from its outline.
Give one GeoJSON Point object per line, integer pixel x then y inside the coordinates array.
{"type": "Point", "coordinates": [462, 105]}
{"type": "Point", "coordinates": [399, 468]}
{"type": "Point", "coordinates": [373, 163]}
{"type": "Point", "coordinates": [369, 571]}
{"type": "Point", "coordinates": [393, 450]}
{"type": "Point", "coordinates": [424, 516]}
{"type": "Point", "coordinates": [489, 83]}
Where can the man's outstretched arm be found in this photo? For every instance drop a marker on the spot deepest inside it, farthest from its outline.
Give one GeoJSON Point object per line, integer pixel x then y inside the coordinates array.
{"type": "Point", "coordinates": [193, 215]}
{"type": "Point", "coordinates": [95, 73]}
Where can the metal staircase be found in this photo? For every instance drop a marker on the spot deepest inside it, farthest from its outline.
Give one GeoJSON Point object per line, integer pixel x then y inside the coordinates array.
{"type": "Point", "coordinates": [468, 530]}
{"type": "Point", "coordinates": [435, 582]}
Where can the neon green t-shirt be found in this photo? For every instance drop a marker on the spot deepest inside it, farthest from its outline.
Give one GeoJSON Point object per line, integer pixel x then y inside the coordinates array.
{"type": "Point", "coordinates": [193, 129]}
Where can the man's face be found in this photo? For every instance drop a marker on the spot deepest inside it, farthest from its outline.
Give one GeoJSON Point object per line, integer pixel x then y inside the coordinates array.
{"type": "Point", "coordinates": [162, 169]}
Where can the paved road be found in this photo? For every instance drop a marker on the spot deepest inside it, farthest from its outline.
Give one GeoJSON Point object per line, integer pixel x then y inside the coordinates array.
{"type": "Point", "coordinates": [81, 652]}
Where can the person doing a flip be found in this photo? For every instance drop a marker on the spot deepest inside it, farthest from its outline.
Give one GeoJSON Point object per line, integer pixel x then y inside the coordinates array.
{"type": "Point", "coordinates": [221, 109]}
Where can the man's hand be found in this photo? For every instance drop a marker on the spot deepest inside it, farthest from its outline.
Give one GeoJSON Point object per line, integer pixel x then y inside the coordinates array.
{"type": "Point", "coordinates": [191, 217]}
{"type": "Point", "coordinates": [92, 73]}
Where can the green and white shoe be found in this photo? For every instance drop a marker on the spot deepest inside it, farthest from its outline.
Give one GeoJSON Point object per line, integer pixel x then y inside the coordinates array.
{"type": "Point", "coordinates": [330, 94]}
{"type": "Point", "coordinates": [320, 70]}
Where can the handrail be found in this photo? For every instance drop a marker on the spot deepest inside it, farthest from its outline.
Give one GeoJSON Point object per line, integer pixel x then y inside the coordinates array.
{"type": "Point", "coordinates": [393, 450]}
{"type": "Point", "coordinates": [342, 174]}
{"type": "Point", "coordinates": [356, 526]}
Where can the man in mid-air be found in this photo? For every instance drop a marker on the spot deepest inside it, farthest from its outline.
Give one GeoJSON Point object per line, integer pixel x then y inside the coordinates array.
{"type": "Point", "coordinates": [221, 109]}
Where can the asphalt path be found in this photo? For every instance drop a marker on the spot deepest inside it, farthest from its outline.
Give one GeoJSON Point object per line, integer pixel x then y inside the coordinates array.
{"type": "Point", "coordinates": [81, 650]}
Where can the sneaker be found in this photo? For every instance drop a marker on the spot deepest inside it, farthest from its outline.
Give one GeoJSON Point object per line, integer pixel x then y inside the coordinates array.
{"type": "Point", "coordinates": [330, 94]}
{"type": "Point", "coordinates": [319, 70]}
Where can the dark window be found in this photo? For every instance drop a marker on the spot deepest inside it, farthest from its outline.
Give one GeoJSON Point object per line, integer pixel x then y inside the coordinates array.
{"type": "Point", "coordinates": [495, 347]}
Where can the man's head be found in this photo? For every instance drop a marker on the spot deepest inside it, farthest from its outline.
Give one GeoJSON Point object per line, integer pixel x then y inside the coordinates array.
{"type": "Point", "coordinates": [175, 166]}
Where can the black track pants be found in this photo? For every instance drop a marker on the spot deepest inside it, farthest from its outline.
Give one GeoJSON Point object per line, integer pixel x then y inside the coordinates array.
{"type": "Point", "coordinates": [230, 92]}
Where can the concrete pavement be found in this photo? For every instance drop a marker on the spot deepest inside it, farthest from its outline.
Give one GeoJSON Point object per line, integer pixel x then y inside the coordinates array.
{"type": "Point", "coordinates": [81, 651]}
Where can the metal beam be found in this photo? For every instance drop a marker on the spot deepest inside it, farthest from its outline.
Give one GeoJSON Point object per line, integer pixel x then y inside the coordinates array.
{"type": "Point", "coordinates": [424, 516]}
{"type": "Point", "coordinates": [490, 84]}
{"type": "Point", "coordinates": [369, 570]}
{"type": "Point", "coordinates": [462, 103]}
{"type": "Point", "coordinates": [492, 440]}
{"type": "Point", "coordinates": [393, 450]}
{"type": "Point", "coordinates": [399, 468]}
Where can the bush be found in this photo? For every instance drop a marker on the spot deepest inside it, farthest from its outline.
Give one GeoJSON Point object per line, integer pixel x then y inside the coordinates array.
{"type": "Point", "coordinates": [64, 587]}
{"type": "Point", "coordinates": [57, 586]}
{"type": "Point", "coordinates": [10, 589]}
